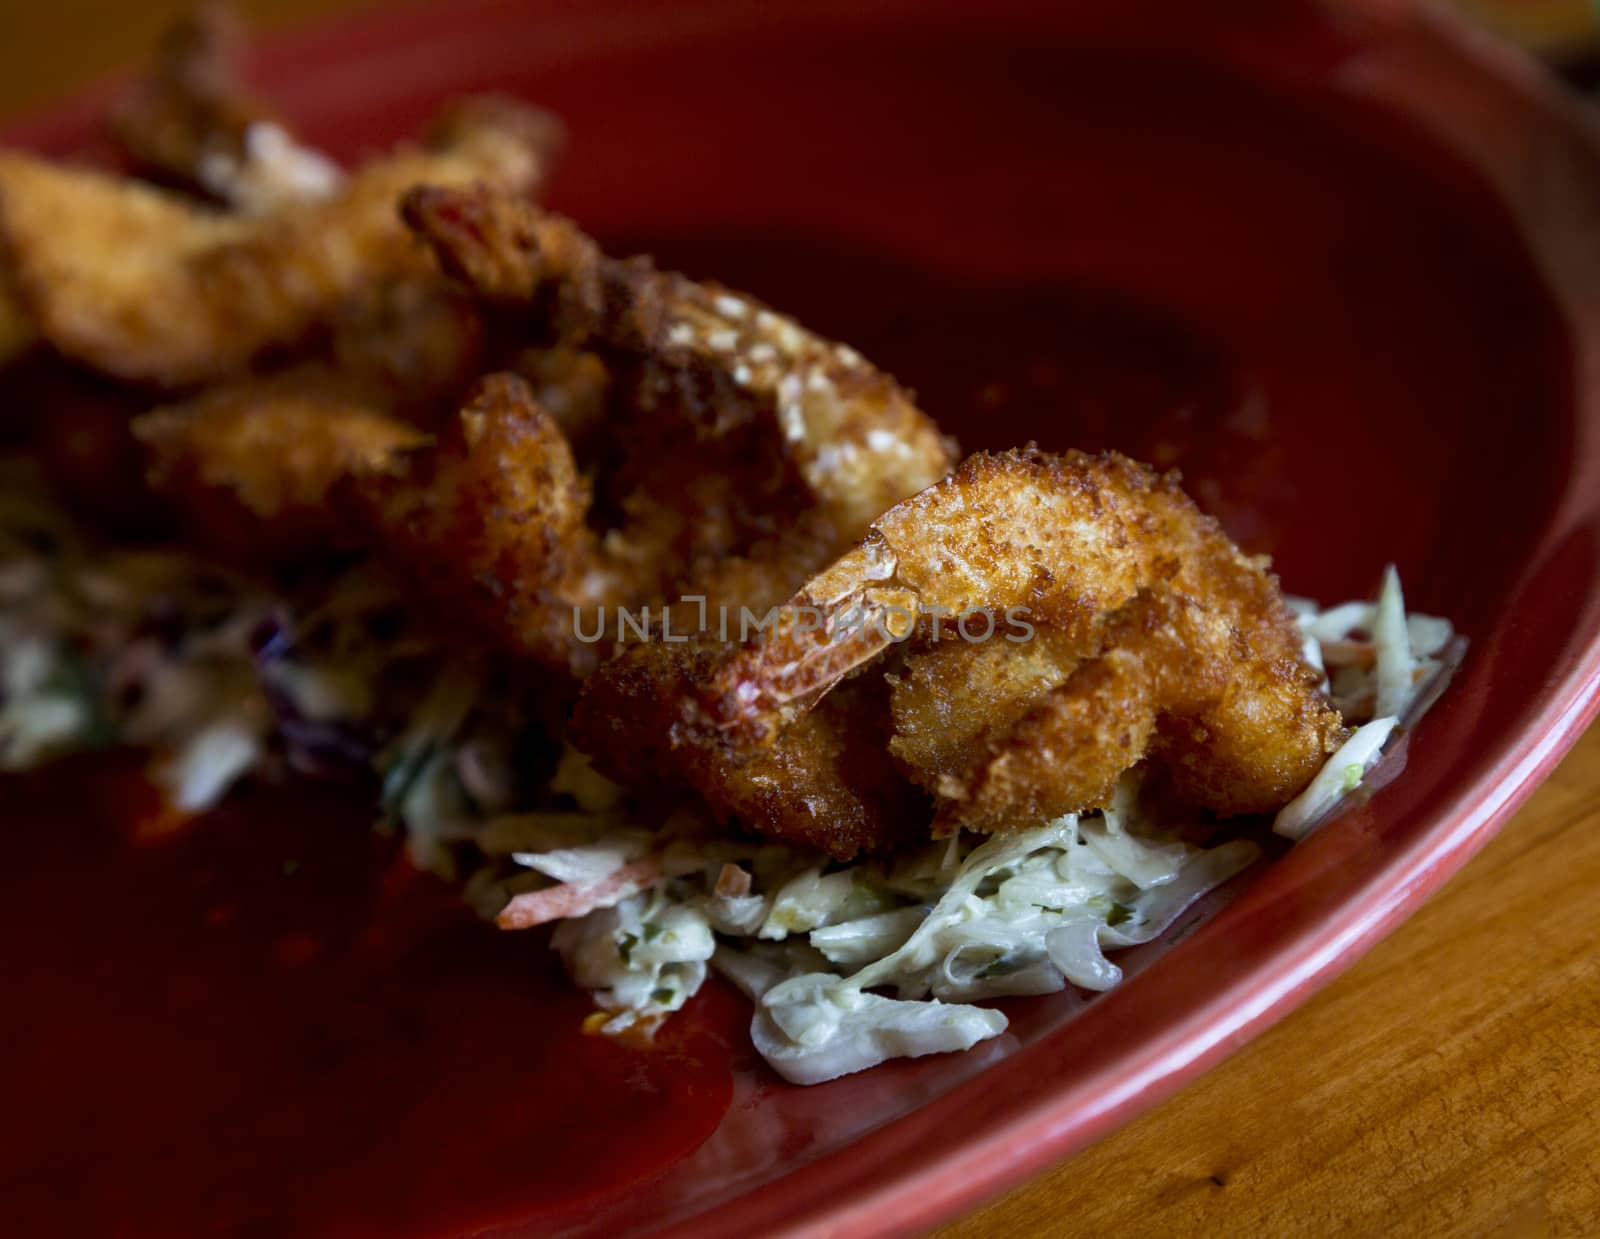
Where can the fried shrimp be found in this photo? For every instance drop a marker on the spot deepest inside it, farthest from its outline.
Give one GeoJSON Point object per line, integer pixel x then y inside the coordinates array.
{"type": "Point", "coordinates": [252, 463]}
{"type": "Point", "coordinates": [145, 286]}
{"type": "Point", "coordinates": [1070, 538]}
{"type": "Point", "coordinates": [698, 485]}
{"type": "Point", "coordinates": [1231, 727]}
{"type": "Point", "coordinates": [492, 519]}
{"type": "Point", "coordinates": [825, 782]}
{"type": "Point", "coordinates": [1151, 636]}
{"type": "Point", "coordinates": [950, 698]}
{"type": "Point", "coordinates": [496, 517]}
{"type": "Point", "coordinates": [702, 364]}
{"type": "Point", "coordinates": [84, 250]}
{"type": "Point", "coordinates": [415, 343]}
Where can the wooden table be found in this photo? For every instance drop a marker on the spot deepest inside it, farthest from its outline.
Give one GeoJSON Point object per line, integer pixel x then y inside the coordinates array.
{"type": "Point", "coordinates": [1449, 1084]}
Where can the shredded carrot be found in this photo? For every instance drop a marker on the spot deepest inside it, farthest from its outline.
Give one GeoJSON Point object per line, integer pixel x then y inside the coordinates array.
{"type": "Point", "coordinates": [733, 882]}
{"type": "Point", "coordinates": [1347, 653]}
{"type": "Point", "coordinates": [555, 903]}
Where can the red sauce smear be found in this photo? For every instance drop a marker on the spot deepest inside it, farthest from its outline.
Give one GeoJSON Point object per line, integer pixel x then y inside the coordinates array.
{"type": "Point", "coordinates": [270, 1024]}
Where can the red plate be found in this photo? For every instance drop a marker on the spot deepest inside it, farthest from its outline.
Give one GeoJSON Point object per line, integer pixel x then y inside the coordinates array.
{"type": "Point", "coordinates": [1338, 261]}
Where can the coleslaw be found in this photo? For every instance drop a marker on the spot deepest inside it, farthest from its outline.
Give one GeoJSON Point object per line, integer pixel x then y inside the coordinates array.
{"type": "Point", "coordinates": [848, 965]}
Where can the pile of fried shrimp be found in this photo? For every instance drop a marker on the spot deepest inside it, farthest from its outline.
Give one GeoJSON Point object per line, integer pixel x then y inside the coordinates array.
{"type": "Point", "coordinates": [412, 361]}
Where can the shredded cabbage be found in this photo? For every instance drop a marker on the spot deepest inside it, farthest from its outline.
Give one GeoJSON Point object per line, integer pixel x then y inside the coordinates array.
{"type": "Point", "coordinates": [1396, 666]}
{"type": "Point", "coordinates": [847, 965]}
{"type": "Point", "coordinates": [1384, 667]}
{"type": "Point", "coordinates": [811, 1031]}
{"type": "Point", "coordinates": [1337, 779]}
{"type": "Point", "coordinates": [960, 923]}
{"type": "Point", "coordinates": [642, 959]}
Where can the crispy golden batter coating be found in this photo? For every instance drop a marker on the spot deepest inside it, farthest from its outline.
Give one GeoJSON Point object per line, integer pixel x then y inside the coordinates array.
{"type": "Point", "coordinates": [1234, 728]}
{"type": "Point", "coordinates": [415, 343]}
{"type": "Point", "coordinates": [92, 257]}
{"type": "Point", "coordinates": [497, 517]}
{"type": "Point", "coordinates": [1070, 538]}
{"type": "Point", "coordinates": [952, 697]}
{"type": "Point", "coordinates": [493, 520]}
{"type": "Point", "coordinates": [252, 464]}
{"type": "Point", "coordinates": [573, 387]}
{"type": "Point", "coordinates": [692, 483]}
{"type": "Point", "coordinates": [145, 286]}
{"type": "Point", "coordinates": [696, 357]}
{"type": "Point", "coordinates": [824, 783]}
{"type": "Point", "coordinates": [1152, 636]}
{"type": "Point", "coordinates": [249, 464]}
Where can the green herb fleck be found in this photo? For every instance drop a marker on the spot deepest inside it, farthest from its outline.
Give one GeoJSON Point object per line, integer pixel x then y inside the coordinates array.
{"type": "Point", "coordinates": [652, 931]}
{"type": "Point", "coordinates": [1044, 907]}
{"type": "Point", "coordinates": [1002, 967]}
{"type": "Point", "coordinates": [1352, 775]}
{"type": "Point", "coordinates": [1119, 913]}
{"type": "Point", "coordinates": [625, 946]}
{"type": "Point", "coordinates": [662, 996]}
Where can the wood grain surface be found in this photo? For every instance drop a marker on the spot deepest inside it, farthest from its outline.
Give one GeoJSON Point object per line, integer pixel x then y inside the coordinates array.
{"type": "Point", "coordinates": [1449, 1084]}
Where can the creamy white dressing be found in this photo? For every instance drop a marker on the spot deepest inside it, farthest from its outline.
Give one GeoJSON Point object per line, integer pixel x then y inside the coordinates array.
{"type": "Point", "coordinates": [848, 965]}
